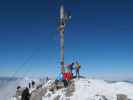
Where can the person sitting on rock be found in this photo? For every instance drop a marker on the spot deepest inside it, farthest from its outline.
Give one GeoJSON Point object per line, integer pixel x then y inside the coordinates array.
{"type": "Point", "coordinates": [18, 92]}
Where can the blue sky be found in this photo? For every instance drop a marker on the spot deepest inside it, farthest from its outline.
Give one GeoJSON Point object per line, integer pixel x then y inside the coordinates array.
{"type": "Point", "coordinates": [99, 35]}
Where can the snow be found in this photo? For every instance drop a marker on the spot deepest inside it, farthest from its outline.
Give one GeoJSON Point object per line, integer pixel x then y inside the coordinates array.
{"type": "Point", "coordinates": [94, 89]}
{"type": "Point", "coordinates": [8, 88]}
{"type": "Point", "coordinates": [89, 89]}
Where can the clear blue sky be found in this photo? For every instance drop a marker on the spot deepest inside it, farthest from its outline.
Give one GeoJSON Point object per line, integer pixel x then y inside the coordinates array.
{"type": "Point", "coordinates": [100, 36]}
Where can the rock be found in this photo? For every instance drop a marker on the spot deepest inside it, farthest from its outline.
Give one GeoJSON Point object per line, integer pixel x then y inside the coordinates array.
{"type": "Point", "coordinates": [19, 92]}
{"type": "Point", "coordinates": [122, 97]}
{"type": "Point", "coordinates": [48, 94]}
{"type": "Point", "coordinates": [52, 87]}
{"type": "Point", "coordinates": [56, 97]}
{"type": "Point", "coordinates": [59, 85]}
{"type": "Point", "coordinates": [100, 97]}
{"type": "Point", "coordinates": [71, 88]}
{"type": "Point", "coordinates": [43, 91]}
{"type": "Point", "coordinates": [35, 95]}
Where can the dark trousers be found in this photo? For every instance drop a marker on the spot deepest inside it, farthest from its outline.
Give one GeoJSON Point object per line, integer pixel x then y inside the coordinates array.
{"type": "Point", "coordinates": [65, 83]}
{"type": "Point", "coordinates": [77, 72]}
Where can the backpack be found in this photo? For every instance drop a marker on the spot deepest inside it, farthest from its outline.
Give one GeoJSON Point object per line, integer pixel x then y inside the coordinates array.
{"type": "Point", "coordinates": [78, 66]}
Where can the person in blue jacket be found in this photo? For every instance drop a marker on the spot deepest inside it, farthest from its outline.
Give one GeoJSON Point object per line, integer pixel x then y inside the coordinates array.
{"type": "Point", "coordinates": [61, 78]}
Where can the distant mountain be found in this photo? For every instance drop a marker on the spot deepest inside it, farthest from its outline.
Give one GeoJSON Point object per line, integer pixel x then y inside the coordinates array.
{"type": "Point", "coordinates": [8, 78]}
{"type": "Point", "coordinates": [129, 81]}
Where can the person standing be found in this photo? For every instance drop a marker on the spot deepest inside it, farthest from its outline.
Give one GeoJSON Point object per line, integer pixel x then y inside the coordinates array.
{"type": "Point", "coordinates": [71, 67]}
{"type": "Point", "coordinates": [78, 66]}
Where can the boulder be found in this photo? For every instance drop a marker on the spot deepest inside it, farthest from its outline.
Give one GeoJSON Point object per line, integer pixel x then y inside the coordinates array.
{"type": "Point", "coordinates": [100, 97]}
{"type": "Point", "coordinates": [35, 95]}
{"type": "Point", "coordinates": [122, 97]}
{"type": "Point", "coordinates": [56, 97]}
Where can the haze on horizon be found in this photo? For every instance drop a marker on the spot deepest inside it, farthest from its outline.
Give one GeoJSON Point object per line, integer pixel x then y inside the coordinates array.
{"type": "Point", "coordinates": [99, 36]}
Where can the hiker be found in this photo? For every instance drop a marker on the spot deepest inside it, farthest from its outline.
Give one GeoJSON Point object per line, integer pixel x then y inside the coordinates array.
{"type": "Point", "coordinates": [62, 79]}
{"type": "Point", "coordinates": [29, 85]}
{"type": "Point", "coordinates": [18, 92]}
{"type": "Point", "coordinates": [72, 68]}
{"type": "Point", "coordinates": [65, 82]}
{"type": "Point", "coordinates": [25, 94]}
{"type": "Point", "coordinates": [33, 84]}
{"type": "Point", "coordinates": [47, 79]}
{"type": "Point", "coordinates": [68, 75]}
{"type": "Point", "coordinates": [77, 68]}
{"type": "Point", "coordinates": [69, 67]}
